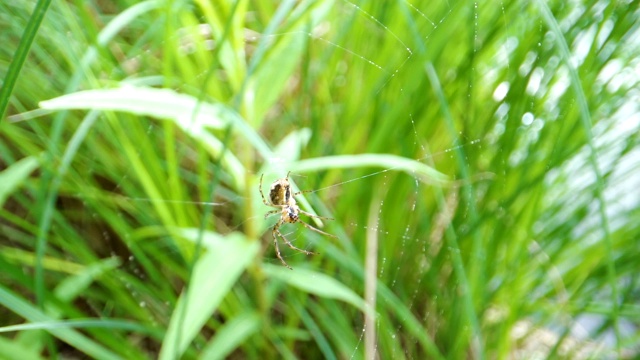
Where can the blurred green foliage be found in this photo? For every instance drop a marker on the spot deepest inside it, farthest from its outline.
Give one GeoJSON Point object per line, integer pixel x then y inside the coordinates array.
{"type": "Point", "coordinates": [480, 161]}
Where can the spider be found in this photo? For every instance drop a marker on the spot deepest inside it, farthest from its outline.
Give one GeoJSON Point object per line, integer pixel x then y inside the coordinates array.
{"type": "Point", "coordinates": [281, 197]}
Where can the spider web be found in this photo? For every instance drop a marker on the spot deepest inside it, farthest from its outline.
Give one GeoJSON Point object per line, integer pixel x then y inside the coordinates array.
{"type": "Point", "coordinates": [357, 231]}
{"type": "Point", "coordinates": [387, 262]}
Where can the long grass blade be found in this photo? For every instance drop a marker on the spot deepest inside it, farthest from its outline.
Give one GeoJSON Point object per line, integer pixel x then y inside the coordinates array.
{"type": "Point", "coordinates": [19, 57]}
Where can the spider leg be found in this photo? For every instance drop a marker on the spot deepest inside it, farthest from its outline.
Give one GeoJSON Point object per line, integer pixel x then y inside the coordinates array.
{"type": "Point", "coordinates": [275, 243]}
{"type": "Point", "coordinates": [314, 216]}
{"type": "Point", "coordinates": [291, 245]}
{"type": "Point", "coordinates": [316, 230]}
{"type": "Point", "coordinates": [274, 211]}
{"type": "Point", "coordinates": [261, 194]}
{"type": "Point", "coordinates": [271, 213]}
{"type": "Point", "coordinates": [299, 192]}
{"type": "Point", "coordinates": [302, 192]}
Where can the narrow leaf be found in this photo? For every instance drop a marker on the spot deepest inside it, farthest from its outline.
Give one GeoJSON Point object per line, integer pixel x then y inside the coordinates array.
{"type": "Point", "coordinates": [214, 275]}
{"type": "Point", "coordinates": [230, 336]}
{"type": "Point", "coordinates": [316, 283]}
{"type": "Point", "coordinates": [14, 175]}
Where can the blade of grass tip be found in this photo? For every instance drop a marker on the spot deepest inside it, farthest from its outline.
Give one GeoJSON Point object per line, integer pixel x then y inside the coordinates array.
{"type": "Point", "coordinates": [317, 283]}
{"type": "Point", "coordinates": [21, 53]}
{"type": "Point", "coordinates": [478, 255]}
{"type": "Point", "coordinates": [289, 148]}
{"type": "Point", "coordinates": [14, 175]}
{"type": "Point", "coordinates": [585, 116]}
{"type": "Point", "coordinates": [47, 216]}
{"type": "Point", "coordinates": [388, 162]}
{"type": "Point", "coordinates": [370, 279]}
{"type": "Point", "coordinates": [69, 288]}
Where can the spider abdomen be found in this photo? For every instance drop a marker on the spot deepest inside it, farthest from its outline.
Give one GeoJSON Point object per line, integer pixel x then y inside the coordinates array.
{"type": "Point", "coordinates": [280, 192]}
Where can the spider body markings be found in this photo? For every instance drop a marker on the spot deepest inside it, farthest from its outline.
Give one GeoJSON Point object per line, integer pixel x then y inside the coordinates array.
{"type": "Point", "coordinates": [281, 197]}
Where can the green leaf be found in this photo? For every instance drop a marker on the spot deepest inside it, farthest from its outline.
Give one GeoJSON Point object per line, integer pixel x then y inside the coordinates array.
{"type": "Point", "coordinates": [14, 350]}
{"type": "Point", "coordinates": [214, 275]}
{"type": "Point", "coordinates": [78, 323]}
{"type": "Point", "coordinates": [187, 112]}
{"type": "Point", "coordinates": [67, 290]}
{"type": "Point", "coordinates": [289, 148]}
{"type": "Point", "coordinates": [21, 53]}
{"type": "Point", "coordinates": [74, 285]}
{"type": "Point", "coordinates": [387, 162]}
{"type": "Point", "coordinates": [316, 283]}
{"type": "Point", "coordinates": [14, 175]}
{"type": "Point", "coordinates": [191, 115]}
{"type": "Point", "coordinates": [283, 57]}
{"type": "Point", "coordinates": [230, 335]}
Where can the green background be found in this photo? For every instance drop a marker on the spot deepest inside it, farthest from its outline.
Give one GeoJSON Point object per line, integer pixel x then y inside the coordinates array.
{"type": "Point", "coordinates": [479, 159]}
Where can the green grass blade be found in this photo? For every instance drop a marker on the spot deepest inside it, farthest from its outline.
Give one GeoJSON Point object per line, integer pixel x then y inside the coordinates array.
{"type": "Point", "coordinates": [72, 337]}
{"type": "Point", "coordinates": [190, 114]}
{"type": "Point", "coordinates": [52, 326]}
{"type": "Point", "coordinates": [213, 277]}
{"type": "Point", "coordinates": [47, 216]}
{"type": "Point", "coordinates": [288, 150]}
{"type": "Point", "coordinates": [15, 350]}
{"type": "Point", "coordinates": [279, 16]}
{"type": "Point", "coordinates": [13, 176]}
{"type": "Point", "coordinates": [124, 19]}
{"type": "Point", "coordinates": [316, 283]}
{"type": "Point", "coordinates": [309, 322]}
{"type": "Point", "coordinates": [158, 103]}
{"type": "Point", "coordinates": [388, 162]}
{"type": "Point", "coordinates": [270, 72]}
{"type": "Point", "coordinates": [21, 53]}
{"type": "Point", "coordinates": [409, 321]}
{"type": "Point", "coordinates": [467, 283]}
{"type": "Point", "coordinates": [73, 286]}
{"type": "Point", "coordinates": [230, 336]}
